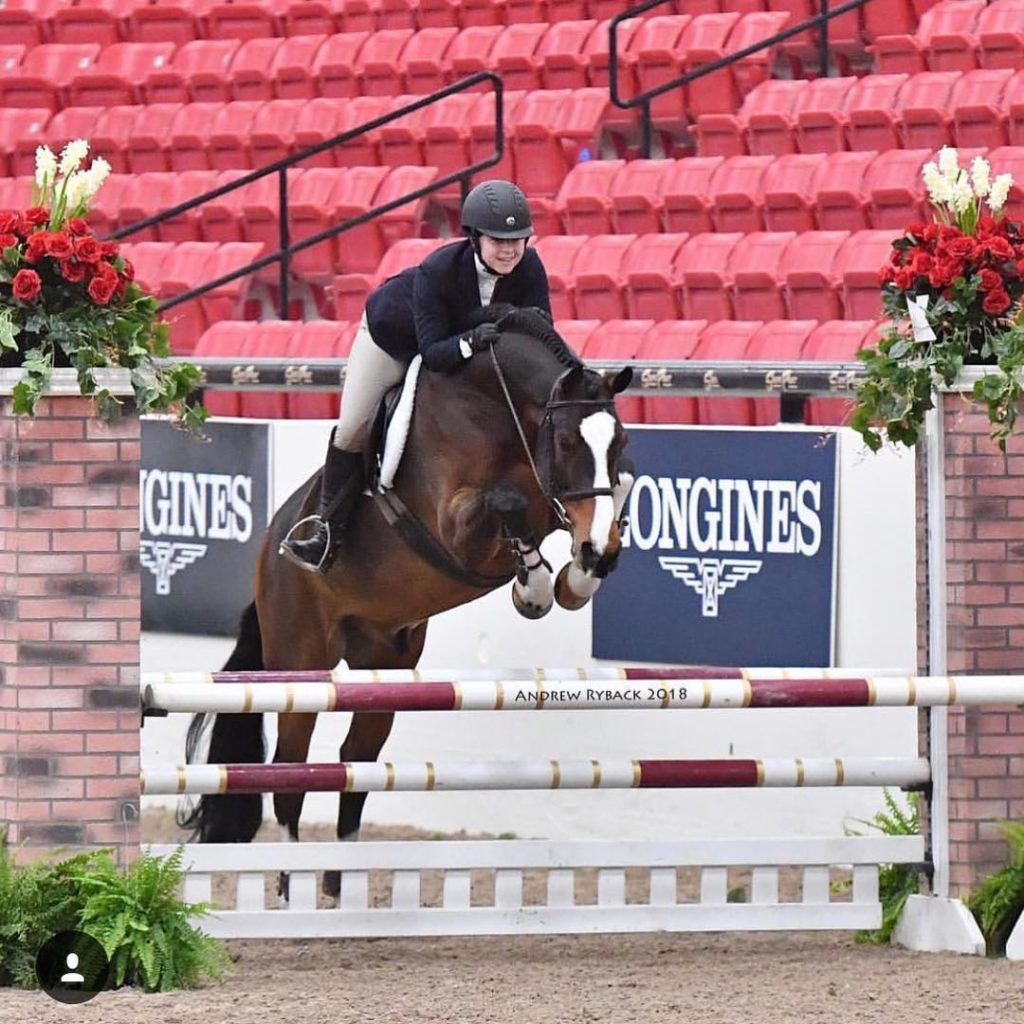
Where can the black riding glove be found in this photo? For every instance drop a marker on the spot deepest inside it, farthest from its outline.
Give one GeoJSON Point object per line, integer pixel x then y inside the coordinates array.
{"type": "Point", "coordinates": [483, 336]}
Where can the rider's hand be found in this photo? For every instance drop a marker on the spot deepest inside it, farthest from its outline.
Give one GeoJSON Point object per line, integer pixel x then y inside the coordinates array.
{"type": "Point", "coordinates": [483, 336]}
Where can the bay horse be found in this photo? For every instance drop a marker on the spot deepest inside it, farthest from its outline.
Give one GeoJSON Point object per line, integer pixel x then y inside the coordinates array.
{"type": "Point", "coordinates": [519, 442]}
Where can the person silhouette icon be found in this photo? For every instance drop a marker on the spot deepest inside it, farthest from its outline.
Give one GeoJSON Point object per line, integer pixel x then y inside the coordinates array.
{"type": "Point", "coordinates": [72, 976]}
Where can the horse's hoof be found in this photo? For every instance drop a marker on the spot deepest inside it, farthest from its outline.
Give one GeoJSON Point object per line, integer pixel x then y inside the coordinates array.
{"type": "Point", "coordinates": [564, 594]}
{"type": "Point", "coordinates": [529, 609]}
{"type": "Point", "coordinates": [332, 883]}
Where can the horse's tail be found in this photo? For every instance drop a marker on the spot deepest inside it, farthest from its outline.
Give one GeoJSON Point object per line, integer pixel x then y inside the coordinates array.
{"type": "Point", "coordinates": [231, 817]}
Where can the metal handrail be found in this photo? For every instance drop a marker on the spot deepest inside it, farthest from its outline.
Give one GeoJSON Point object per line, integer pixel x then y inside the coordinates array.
{"type": "Point", "coordinates": [643, 99]}
{"type": "Point", "coordinates": [287, 249]}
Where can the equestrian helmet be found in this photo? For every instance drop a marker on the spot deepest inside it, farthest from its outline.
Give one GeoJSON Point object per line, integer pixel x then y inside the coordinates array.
{"type": "Point", "coordinates": [497, 208]}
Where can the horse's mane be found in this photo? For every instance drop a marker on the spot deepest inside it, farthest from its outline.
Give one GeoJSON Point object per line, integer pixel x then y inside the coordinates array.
{"type": "Point", "coordinates": [528, 321]}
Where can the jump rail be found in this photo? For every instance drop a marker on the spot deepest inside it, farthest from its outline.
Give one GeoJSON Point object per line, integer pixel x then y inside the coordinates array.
{"type": "Point", "coordinates": [377, 777]}
{"type": "Point", "coordinates": [390, 691]}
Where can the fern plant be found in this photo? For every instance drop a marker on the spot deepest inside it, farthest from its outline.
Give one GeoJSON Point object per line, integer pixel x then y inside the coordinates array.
{"type": "Point", "coordinates": [36, 902]}
{"type": "Point", "coordinates": [999, 901]}
{"type": "Point", "coordinates": [895, 881]}
{"type": "Point", "coordinates": [144, 927]}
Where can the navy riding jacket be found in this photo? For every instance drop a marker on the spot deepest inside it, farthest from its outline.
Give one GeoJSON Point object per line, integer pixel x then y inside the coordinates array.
{"type": "Point", "coordinates": [421, 308]}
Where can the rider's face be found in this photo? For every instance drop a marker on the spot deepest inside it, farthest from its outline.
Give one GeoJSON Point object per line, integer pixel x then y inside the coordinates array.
{"type": "Point", "coordinates": [502, 254]}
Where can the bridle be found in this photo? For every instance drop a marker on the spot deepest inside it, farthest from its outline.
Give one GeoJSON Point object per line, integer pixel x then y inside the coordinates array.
{"type": "Point", "coordinates": [545, 436]}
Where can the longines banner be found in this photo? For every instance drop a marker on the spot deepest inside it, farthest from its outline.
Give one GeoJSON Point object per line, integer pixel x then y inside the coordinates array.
{"type": "Point", "coordinates": [729, 556]}
{"type": "Point", "coordinates": [204, 510]}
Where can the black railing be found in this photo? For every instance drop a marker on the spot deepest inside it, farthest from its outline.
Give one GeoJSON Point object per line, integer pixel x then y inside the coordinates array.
{"type": "Point", "coordinates": [282, 255]}
{"type": "Point", "coordinates": [643, 99]}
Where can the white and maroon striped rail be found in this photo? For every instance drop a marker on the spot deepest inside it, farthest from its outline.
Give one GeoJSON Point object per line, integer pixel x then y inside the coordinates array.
{"type": "Point", "coordinates": [377, 777]}
{"type": "Point", "coordinates": [564, 689]}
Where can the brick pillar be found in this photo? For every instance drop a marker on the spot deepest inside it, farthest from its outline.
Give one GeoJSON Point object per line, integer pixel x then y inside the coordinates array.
{"type": "Point", "coordinates": [985, 635]}
{"type": "Point", "coordinates": [69, 628]}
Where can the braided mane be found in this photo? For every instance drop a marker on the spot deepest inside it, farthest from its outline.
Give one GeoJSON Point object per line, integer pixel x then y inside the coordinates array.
{"type": "Point", "coordinates": [526, 321]}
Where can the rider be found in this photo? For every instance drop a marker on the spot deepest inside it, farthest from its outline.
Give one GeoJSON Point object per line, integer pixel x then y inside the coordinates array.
{"type": "Point", "coordinates": [419, 310]}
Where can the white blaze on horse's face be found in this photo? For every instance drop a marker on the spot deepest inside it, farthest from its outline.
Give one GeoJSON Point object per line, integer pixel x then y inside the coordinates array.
{"type": "Point", "coordinates": [598, 430]}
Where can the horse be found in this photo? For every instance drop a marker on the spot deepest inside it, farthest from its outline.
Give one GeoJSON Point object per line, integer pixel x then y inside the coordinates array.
{"type": "Point", "coordinates": [521, 441]}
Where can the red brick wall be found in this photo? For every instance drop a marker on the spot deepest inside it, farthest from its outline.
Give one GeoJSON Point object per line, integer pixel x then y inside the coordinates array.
{"type": "Point", "coordinates": [985, 635]}
{"type": "Point", "coordinates": [69, 627]}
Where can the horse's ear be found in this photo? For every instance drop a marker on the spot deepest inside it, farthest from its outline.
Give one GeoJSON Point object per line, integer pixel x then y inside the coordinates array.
{"type": "Point", "coordinates": [621, 380]}
{"type": "Point", "coordinates": [571, 381]}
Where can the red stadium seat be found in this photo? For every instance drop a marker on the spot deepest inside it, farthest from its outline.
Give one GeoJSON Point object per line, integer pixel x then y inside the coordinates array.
{"type": "Point", "coordinates": [788, 186]}
{"type": "Point", "coordinates": [230, 138]}
{"type": "Point", "coordinates": [357, 15]}
{"type": "Point", "coordinates": [481, 141]}
{"type": "Point", "coordinates": [576, 332]}
{"type": "Point", "coordinates": [670, 340]}
{"type": "Point", "coordinates": [312, 17]}
{"type": "Point", "coordinates": [923, 108]}
{"type": "Point", "coordinates": [758, 275]}
{"type": "Point", "coordinates": [840, 200]}
{"type": "Point", "coordinates": [887, 19]}
{"type": "Point", "coordinates": [228, 301]}
{"type": "Point", "coordinates": [223, 340]}
{"type": "Point", "coordinates": [184, 267]}
{"type": "Point", "coordinates": [10, 57]}
{"type": "Point", "coordinates": [188, 137]}
{"type": "Point", "coordinates": [44, 75]}
{"type": "Point", "coordinates": [272, 136]}
{"type": "Point", "coordinates": [737, 199]}
{"type": "Point", "coordinates": [174, 22]}
{"type": "Point", "coordinates": [584, 202]}
{"type": "Point", "coordinates": [514, 55]}
{"type": "Point", "coordinates": [1000, 33]}
{"type": "Point", "coordinates": [470, 51]}
{"type": "Point", "coordinates": [661, 54]}
{"type": "Point", "coordinates": [597, 56]}
{"type": "Point", "coordinates": [844, 34]}
{"type": "Point", "coordinates": [820, 112]}
{"type": "Point", "coordinates": [198, 72]}
{"type": "Point", "coordinates": [65, 125]}
{"type": "Point", "coordinates": [599, 277]}
{"type": "Point", "coordinates": [482, 12]}
{"type": "Point", "coordinates": [438, 13]}
{"type": "Point", "coordinates": [446, 137]}
{"type": "Point", "coordinates": [28, 22]}
{"type": "Point", "coordinates": [291, 72]}
{"type": "Point", "coordinates": [250, 76]}
{"type": "Point", "coordinates": [105, 210]}
{"type": "Point", "coordinates": [148, 146]}
{"type": "Point", "coordinates": [180, 188]}
{"type": "Point", "coordinates": [857, 265]}
{"type": "Point", "coordinates": [637, 203]}
{"type": "Point", "coordinates": [812, 285]}
{"type": "Point", "coordinates": [518, 12]}
{"type": "Point", "coordinates": [1010, 159]}
{"type": "Point", "coordinates": [778, 341]}
{"type": "Point", "coordinates": [94, 21]}
{"type": "Point", "coordinates": [764, 124]}
{"type": "Point", "coordinates": [1014, 102]}
{"type": "Point", "coordinates": [225, 219]}
{"type": "Point", "coordinates": [720, 342]}
{"type": "Point", "coordinates": [652, 281]}
{"type": "Point", "coordinates": [118, 74]}
{"type": "Point", "coordinates": [422, 64]}
{"type": "Point", "coordinates": [871, 112]}
{"type": "Point", "coordinates": [702, 265]}
{"type": "Point", "coordinates": [378, 65]}
{"type": "Point", "coordinates": [835, 341]}
{"type": "Point", "coordinates": [400, 142]}
{"type": "Point", "coordinates": [402, 222]}
{"type": "Point", "coordinates": [243, 19]}
{"type": "Point", "coordinates": [978, 103]}
{"type": "Point", "coordinates": [943, 41]}
{"type": "Point", "coordinates": [558, 253]}
{"type": "Point", "coordinates": [317, 122]}
{"type": "Point", "coordinates": [316, 339]}
{"type": "Point", "coordinates": [396, 13]}
{"type": "Point", "coordinates": [362, 150]}
{"type": "Point", "coordinates": [334, 66]}
{"type": "Point", "coordinates": [267, 340]}
{"type": "Point", "coordinates": [619, 340]}
{"type": "Point", "coordinates": [562, 54]}
{"type": "Point", "coordinates": [894, 188]}
{"type": "Point", "coordinates": [22, 130]}
{"type": "Point", "coordinates": [686, 193]}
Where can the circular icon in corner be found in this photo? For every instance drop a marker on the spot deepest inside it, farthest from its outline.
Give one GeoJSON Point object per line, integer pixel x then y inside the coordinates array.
{"type": "Point", "coordinates": [72, 967]}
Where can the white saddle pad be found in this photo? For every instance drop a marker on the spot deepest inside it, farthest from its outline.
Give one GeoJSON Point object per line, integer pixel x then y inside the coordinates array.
{"type": "Point", "coordinates": [398, 428]}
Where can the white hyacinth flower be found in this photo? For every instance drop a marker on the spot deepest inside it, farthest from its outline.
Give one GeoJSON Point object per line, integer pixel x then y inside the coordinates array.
{"type": "Point", "coordinates": [963, 196]}
{"type": "Point", "coordinates": [939, 190]}
{"type": "Point", "coordinates": [74, 153]}
{"type": "Point", "coordinates": [95, 176]}
{"type": "Point", "coordinates": [949, 163]}
{"type": "Point", "coordinates": [981, 175]}
{"type": "Point", "coordinates": [998, 193]}
{"type": "Point", "coordinates": [46, 166]}
{"type": "Point", "coordinates": [77, 189]}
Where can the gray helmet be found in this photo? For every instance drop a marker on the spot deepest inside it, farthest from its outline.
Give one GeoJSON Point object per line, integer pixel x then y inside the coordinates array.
{"type": "Point", "coordinates": [497, 208]}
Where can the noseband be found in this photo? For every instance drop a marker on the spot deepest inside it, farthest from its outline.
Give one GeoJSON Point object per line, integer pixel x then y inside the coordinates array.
{"type": "Point", "coordinates": [547, 427]}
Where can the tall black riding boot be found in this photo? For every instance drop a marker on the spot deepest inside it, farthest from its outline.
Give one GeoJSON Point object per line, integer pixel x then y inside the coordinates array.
{"type": "Point", "coordinates": [340, 487]}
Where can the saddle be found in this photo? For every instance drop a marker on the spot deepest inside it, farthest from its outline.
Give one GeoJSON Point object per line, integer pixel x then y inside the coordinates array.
{"type": "Point", "coordinates": [389, 431]}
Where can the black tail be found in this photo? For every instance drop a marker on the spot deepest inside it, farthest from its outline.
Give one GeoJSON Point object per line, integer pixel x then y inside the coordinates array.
{"type": "Point", "coordinates": [232, 817]}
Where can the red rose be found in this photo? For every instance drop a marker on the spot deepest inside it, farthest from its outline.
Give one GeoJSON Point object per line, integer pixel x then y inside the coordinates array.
{"type": "Point", "coordinates": [88, 250]}
{"type": "Point", "coordinates": [904, 278]}
{"type": "Point", "coordinates": [102, 287]}
{"type": "Point", "coordinates": [990, 280]}
{"type": "Point", "coordinates": [35, 250]}
{"type": "Point", "coordinates": [1000, 248]}
{"type": "Point", "coordinates": [886, 274]}
{"type": "Point", "coordinates": [109, 248]}
{"type": "Point", "coordinates": [920, 263]}
{"type": "Point", "coordinates": [77, 226]}
{"type": "Point", "coordinates": [58, 245]}
{"type": "Point", "coordinates": [11, 223]}
{"type": "Point", "coordinates": [6, 241]}
{"type": "Point", "coordinates": [26, 285]}
{"type": "Point", "coordinates": [129, 269]}
{"type": "Point", "coordinates": [996, 302]}
{"type": "Point", "coordinates": [37, 215]}
{"type": "Point", "coordinates": [961, 247]}
{"type": "Point", "coordinates": [73, 271]}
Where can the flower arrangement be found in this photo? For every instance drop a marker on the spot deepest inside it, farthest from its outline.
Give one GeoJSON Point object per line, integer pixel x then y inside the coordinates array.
{"type": "Point", "coordinates": [953, 290]}
{"type": "Point", "coordinates": [69, 299]}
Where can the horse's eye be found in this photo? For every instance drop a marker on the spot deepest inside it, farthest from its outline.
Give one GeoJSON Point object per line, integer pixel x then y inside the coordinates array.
{"type": "Point", "coordinates": [567, 443]}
